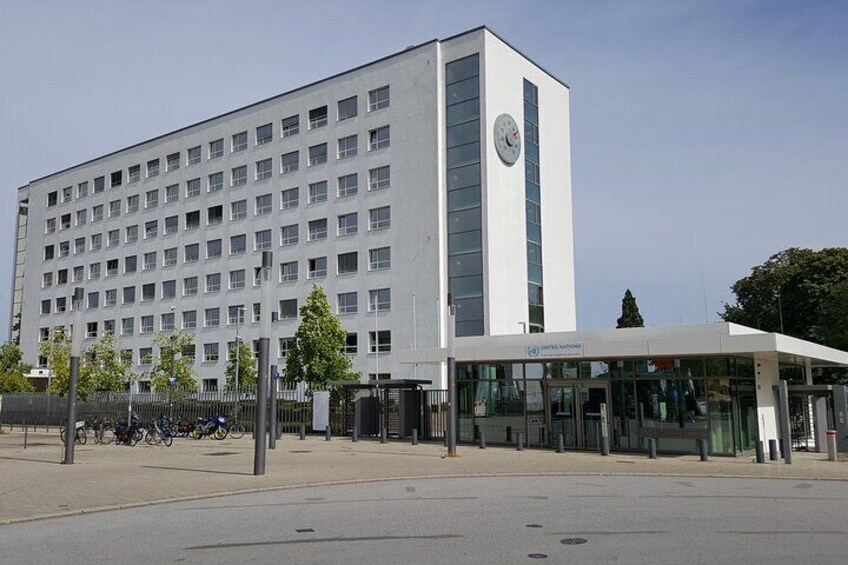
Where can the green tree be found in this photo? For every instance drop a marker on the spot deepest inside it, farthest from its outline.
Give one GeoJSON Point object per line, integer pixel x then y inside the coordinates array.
{"type": "Point", "coordinates": [57, 350]}
{"type": "Point", "coordinates": [13, 370]}
{"type": "Point", "coordinates": [104, 366]}
{"type": "Point", "coordinates": [171, 363]}
{"type": "Point", "coordinates": [630, 316]}
{"type": "Point", "coordinates": [317, 355]}
{"type": "Point", "coordinates": [241, 356]}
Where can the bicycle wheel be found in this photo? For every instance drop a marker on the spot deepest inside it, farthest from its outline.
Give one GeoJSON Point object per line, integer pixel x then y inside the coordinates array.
{"type": "Point", "coordinates": [195, 433]}
{"type": "Point", "coordinates": [81, 438]}
{"type": "Point", "coordinates": [134, 438]}
{"type": "Point", "coordinates": [107, 436]}
{"type": "Point", "coordinates": [62, 434]}
{"type": "Point", "coordinates": [236, 431]}
{"type": "Point", "coordinates": [151, 437]}
{"type": "Point", "coordinates": [219, 433]}
{"type": "Point", "coordinates": [168, 440]}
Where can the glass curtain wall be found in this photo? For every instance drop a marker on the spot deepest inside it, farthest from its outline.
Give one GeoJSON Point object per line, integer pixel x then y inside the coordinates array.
{"type": "Point", "coordinates": [533, 203]}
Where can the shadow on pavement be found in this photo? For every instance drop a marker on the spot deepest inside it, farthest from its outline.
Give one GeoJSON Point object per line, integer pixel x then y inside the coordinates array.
{"type": "Point", "coordinates": [197, 470]}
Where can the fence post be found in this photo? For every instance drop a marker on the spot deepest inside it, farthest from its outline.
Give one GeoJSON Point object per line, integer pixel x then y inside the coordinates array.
{"type": "Point", "coordinates": [303, 431]}
{"type": "Point", "coordinates": [519, 441]}
{"type": "Point", "coordinates": [652, 448]}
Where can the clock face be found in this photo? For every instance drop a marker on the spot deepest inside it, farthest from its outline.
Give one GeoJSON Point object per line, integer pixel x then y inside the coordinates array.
{"type": "Point", "coordinates": [507, 139]}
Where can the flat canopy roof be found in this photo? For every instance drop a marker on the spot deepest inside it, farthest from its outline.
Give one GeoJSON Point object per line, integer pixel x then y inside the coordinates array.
{"type": "Point", "coordinates": [705, 340]}
{"type": "Point", "coordinates": [385, 383]}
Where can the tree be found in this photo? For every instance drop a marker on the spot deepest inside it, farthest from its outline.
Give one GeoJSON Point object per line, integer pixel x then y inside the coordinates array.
{"type": "Point", "coordinates": [57, 350]}
{"type": "Point", "coordinates": [104, 366]}
{"type": "Point", "coordinates": [13, 370]}
{"type": "Point", "coordinates": [630, 316]}
{"type": "Point", "coordinates": [241, 356]}
{"type": "Point", "coordinates": [317, 355]}
{"type": "Point", "coordinates": [171, 363]}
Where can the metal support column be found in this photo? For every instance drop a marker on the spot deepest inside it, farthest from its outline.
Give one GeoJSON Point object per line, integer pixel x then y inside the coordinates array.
{"type": "Point", "coordinates": [260, 424]}
{"type": "Point", "coordinates": [785, 430]}
{"type": "Point", "coordinates": [272, 415]}
{"type": "Point", "coordinates": [76, 350]}
{"type": "Point", "coordinates": [452, 398]}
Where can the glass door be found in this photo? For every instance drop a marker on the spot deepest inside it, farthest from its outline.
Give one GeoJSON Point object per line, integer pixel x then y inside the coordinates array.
{"type": "Point", "coordinates": [563, 416]}
{"type": "Point", "coordinates": [590, 399]}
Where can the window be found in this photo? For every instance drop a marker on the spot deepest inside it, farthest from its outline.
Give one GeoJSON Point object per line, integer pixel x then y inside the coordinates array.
{"type": "Point", "coordinates": [78, 274]}
{"type": "Point", "coordinates": [131, 235]}
{"type": "Point", "coordinates": [212, 317]}
{"type": "Point", "coordinates": [172, 224]}
{"type": "Point", "coordinates": [289, 235]}
{"type": "Point", "coordinates": [148, 292]}
{"type": "Point", "coordinates": [115, 179]}
{"type": "Point", "coordinates": [169, 289]}
{"type": "Point", "coordinates": [378, 138]}
{"type": "Point", "coordinates": [379, 218]}
{"type": "Point", "coordinates": [109, 326]}
{"type": "Point", "coordinates": [191, 253]}
{"type": "Point", "coordinates": [289, 198]}
{"type": "Point", "coordinates": [317, 154]}
{"type": "Point", "coordinates": [113, 237]}
{"type": "Point", "coordinates": [189, 286]}
{"type": "Point", "coordinates": [97, 213]}
{"type": "Point", "coordinates": [152, 168]}
{"type": "Point", "coordinates": [379, 178]}
{"type": "Point", "coordinates": [237, 279]}
{"type": "Point", "coordinates": [128, 295]}
{"type": "Point", "coordinates": [172, 193]}
{"type": "Point", "coordinates": [347, 147]}
{"type": "Point", "coordinates": [379, 259]}
{"type": "Point", "coordinates": [134, 174]}
{"type": "Point", "coordinates": [263, 204]}
{"type": "Point", "coordinates": [81, 215]}
{"type": "Point", "coordinates": [132, 204]}
{"type": "Point", "coordinates": [149, 263]}
{"type": "Point", "coordinates": [288, 309]}
{"type": "Point", "coordinates": [61, 304]}
{"type": "Point", "coordinates": [350, 346]}
{"type": "Point", "coordinates": [79, 245]}
{"type": "Point", "coordinates": [210, 355]}
{"type": "Point", "coordinates": [193, 155]}
{"type": "Point", "coordinates": [114, 208]}
{"type": "Point", "coordinates": [128, 326]}
{"type": "Point", "coordinates": [216, 148]}
{"type": "Point", "coordinates": [213, 249]}
{"type": "Point", "coordinates": [238, 176]}
{"type": "Point", "coordinates": [146, 325]}
{"type": "Point", "coordinates": [291, 126]}
{"type": "Point", "coordinates": [216, 182]}
{"type": "Point", "coordinates": [264, 134]}
{"type": "Point", "coordinates": [65, 222]}
{"type": "Point", "coordinates": [192, 220]}
{"type": "Point", "coordinates": [346, 302]}
{"type": "Point", "coordinates": [317, 268]}
{"type": "Point", "coordinates": [91, 329]}
{"type": "Point", "coordinates": [151, 199]}
{"type": "Point", "coordinates": [192, 188]}
{"type": "Point", "coordinates": [380, 300]}
{"type": "Point", "coordinates": [145, 354]}
{"type": "Point", "coordinates": [167, 322]}
{"type": "Point", "coordinates": [263, 169]}
{"type": "Point", "coordinates": [239, 142]}
{"type": "Point", "coordinates": [62, 274]}
{"type": "Point", "coordinates": [215, 215]}
{"type": "Point", "coordinates": [49, 252]}
{"type": "Point", "coordinates": [347, 108]}
{"type": "Point", "coordinates": [347, 263]}
{"type": "Point", "coordinates": [318, 117]}
{"type": "Point", "coordinates": [318, 229]}
{"type": "Point", "coordinates": [67, 193]}
{"type": "Point", "coordinates": [99, 185]}
{"type": "Point", "coordinates": [288, 272]}
{"type": "Point", "coordinates": [318, 192]}
{"type": "Point", "coordinates": [238, 210]}
{"type": "Point", "coordinates": [289, 162]}
{"type": "Point", "coordinates": [235, 314]}
{"type": "Point", "coordinates": [172, 162]}
{"type": "Point", "coordinates": [189, 319]}
{"type": "Point", "coordinates": [348, 224]}
{"type": "Point", "coordinates": [213, 282]}
{"type": "Point", "coordinates": [238, 244]}
{"type": "Point", "coordinates": [50, 226]}
{"type": "Point", "coordinates": [380, 341]}
{"type": "Point", "coordinates": [378, 98]}
{"type": "Point", "coordinates": [47, 280]}
{"type": "Point", "coordinates": [82, 188]}
{"type": "Point", "coordinates": [94, 271]}
{"type": "Point", "coordinates": [130, 264]}
{"type": "Point", "coordinates": [45, 306]}
{"type": "Point", "coordinates": [348, 185]}
{"type": "Point", "coordinates": [169, 257]}
{"type": "Point", "coordinates": [111, 297]}
{"type": "Point", "coordinates": [65, 248]}
{"type": "Point", "coordinates": [286, 344]}
{"type": "Point", "coordinates": [262, 240]}
{"type": "Point", "coordinates": [52, 199]}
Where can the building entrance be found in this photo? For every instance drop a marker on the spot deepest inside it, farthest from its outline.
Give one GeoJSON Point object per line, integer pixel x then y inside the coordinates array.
{"type": "Point", "coordinates": [573, 409]}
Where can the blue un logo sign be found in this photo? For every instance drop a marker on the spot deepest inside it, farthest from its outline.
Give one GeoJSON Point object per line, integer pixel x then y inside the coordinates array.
{"type": "Point", "coordinates": [533, 351]}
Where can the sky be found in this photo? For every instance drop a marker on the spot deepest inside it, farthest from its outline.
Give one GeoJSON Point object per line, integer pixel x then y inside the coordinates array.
{"type": "Point", "coordinates": [706, 136]}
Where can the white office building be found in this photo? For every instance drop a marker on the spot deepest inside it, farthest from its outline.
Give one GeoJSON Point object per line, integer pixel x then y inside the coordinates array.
{"type": "Point", "coordinates": [444, 168]}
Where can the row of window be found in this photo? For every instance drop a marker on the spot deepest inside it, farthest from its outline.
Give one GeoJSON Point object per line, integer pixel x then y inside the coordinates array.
{"type": "Point", "coordinates": [379, 178]}
{"type": "Point", "coordinates": [348, 108]}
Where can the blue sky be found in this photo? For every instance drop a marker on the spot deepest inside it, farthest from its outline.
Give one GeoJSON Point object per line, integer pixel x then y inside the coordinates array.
{"type": "Point", "coordinates": [705, 135]}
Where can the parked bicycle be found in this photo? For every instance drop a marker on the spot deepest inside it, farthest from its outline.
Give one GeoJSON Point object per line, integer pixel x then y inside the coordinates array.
{"type": "Point", "coordinates": [129, 432]}
{"type": "Point", "coordinates": [79, 435]}
{"type": "Point", "coordinates": [160, 432]}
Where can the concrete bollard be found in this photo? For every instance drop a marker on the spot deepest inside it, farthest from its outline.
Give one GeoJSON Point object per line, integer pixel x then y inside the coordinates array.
{"type": "Point", "coordinates": [831, 445]}
{"type": "Point", "coordinates": [560, 444]}
{"type": "Point", "coordinates": [772, 450]}
{"type": "Point", "coordinates": [482, 439]}
{"type": "Point", "coordinates": [652, 448]}
{"type": "Point", "coordinates": [303, 431]}
{"type": "Point", "coordinates": [519, 441]}
{"type": "Point", "coordinates": [328, 434]}
{"type": "Point", "coordinates": [414, 436]}
{"type": "Point", "coordinates": [354, 437]}
{"type": "Point", "coordinates": [384, 436]}
{"type": "Point", "coordinates": [703, 450]}
{"type": "Point", "coordinates": [761, 457]}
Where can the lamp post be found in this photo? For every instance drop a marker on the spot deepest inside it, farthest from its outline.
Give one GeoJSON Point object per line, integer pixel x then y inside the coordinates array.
{"type": "Point", "coordinates": [452, 400]}
{"type": "Point", "coordinates": [264, 363]}
{"type": "Point", "coordinates": [239, 310]}
{"type": "Point", "coordinates": [76, 349]}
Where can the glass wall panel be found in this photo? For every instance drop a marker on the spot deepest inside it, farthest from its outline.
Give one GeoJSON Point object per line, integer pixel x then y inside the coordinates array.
{"type": "Point", "coordinates": [721, 416]}
{"type": "Point", "coordinates": [625, 426]}
{"type": "Point", "coordinates": [534, 370]}
{"type": "Point", "coordinates": [464, 265]}
{"type": "Point", "coordinates": [464, 133]}
{"type": "Point", "coordinates": [499, 409]}
{"type": "Point", "coordinates": [464, 198]}
{"type": "Point", "coordinates": [746, 402]}
{"type": "Point", "coordinates": [463, 177]}
{"type": "Point", "coordinates": [535, 410]}
{"type": "Point", "coordinates": [463, 112]}
{"type": "Point", "coordinates": [462, 91]}
{"type": "Point", "coordinates": [469, 309]}
{"type": "Point", "coordinates": [465, 416]}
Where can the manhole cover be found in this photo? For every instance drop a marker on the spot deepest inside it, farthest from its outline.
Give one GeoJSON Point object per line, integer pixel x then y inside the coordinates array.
{"type": "Point", "coordinates": [534, 525]}
{"type": "Point", "coordinates": [300, 451]}
{"type": "Point", "coordinates": [304, 530]}
{"type": "Point", "coordinates": [537, 556]}
{"type": "Point", "coordinates": [220, 453]}
{"type": "Point", "coordinates": [572, 541]}
{"type": "Point", "coordinates": [538, 497]}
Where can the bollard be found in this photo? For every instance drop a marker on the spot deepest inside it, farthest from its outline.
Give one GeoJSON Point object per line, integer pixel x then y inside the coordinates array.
{"type": "Point", "coordinates": [652, 448]}
{"type": "Point", "coordinates": [831, 445]}
{"type": "Point", "coordinates": [26, 431]}
{"type": "Point", "coordinates": [354, 437]}
{"type": "Point", "coordinates": [303, 431]}
{"type": "Point", "coordinates": [560, 443]}
{"type": "Point", "coordinates": [704, 450]}
{"type": "Point", "coordinates": [414, 436]}
{"type": "Point", "coordinates": [761, 457]}
{"type": "Point", "coordinates": [328, 433]}
{"type": "Point", "coordinates": [384, 436]}
{"type": "Point", "coordinates": [772, 450]}
{"type": "Point", "coordinates": [482, 439]}
{"type": "Point", "coordinates": [519, 441]}
{"type": "Point", "coordinates": [605, 446]}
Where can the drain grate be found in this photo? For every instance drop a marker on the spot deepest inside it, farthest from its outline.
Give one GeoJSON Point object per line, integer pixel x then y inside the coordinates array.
{"type": "Point", "coordinates": [534, 525]}
{"type": "Point", "coordinates": [220, 453]}
{"type": "Point", "coordinates": [304, 530]}
{"type": "Point", "coordinates": [573, 541]}
{"type": "Point", "coordinates": [300, 451]}
{"type": "Point", "coordinates": [537, 556]}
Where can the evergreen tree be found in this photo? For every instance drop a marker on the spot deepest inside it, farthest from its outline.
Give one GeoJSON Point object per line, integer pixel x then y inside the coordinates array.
{"type": "Point", "coordinates": [12, 370]}
{"type": "Point", "coordinates": [171, 363]}
{"type": "Point", "coordinates": [246, 367]}
{"type": "Point", "coordinates": [316, 356]}
{"type": "Point", "coordinates": [630, 316]}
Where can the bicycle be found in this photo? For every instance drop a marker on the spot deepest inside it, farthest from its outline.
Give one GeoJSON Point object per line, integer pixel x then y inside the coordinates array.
{"type": "Point", "coordinates": [160, 433]}
{"type": "Point", "coordinates": [236, 430]}
{"type": "Point", "coordinates": [79, 436]}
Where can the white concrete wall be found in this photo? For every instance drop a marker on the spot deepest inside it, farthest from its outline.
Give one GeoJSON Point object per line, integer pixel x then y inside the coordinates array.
{"type": "Point", "coordinates": [767, 376]}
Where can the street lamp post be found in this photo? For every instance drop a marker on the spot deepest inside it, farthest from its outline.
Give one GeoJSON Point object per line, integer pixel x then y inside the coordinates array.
{"type": "Point", "coordinates": [452, 400]}
{"type": "Point", "coordinates": [264, 363]}
{"type": "Point", "coordinates": [76, 349]}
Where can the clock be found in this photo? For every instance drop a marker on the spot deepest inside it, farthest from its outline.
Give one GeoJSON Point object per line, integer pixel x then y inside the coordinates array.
{"type": "Point", "coordinates": [507, 139]}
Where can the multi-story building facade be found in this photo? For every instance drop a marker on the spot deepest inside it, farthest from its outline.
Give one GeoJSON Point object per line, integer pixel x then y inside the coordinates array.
{"type": "Point", "coordinates": [444, 168]}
